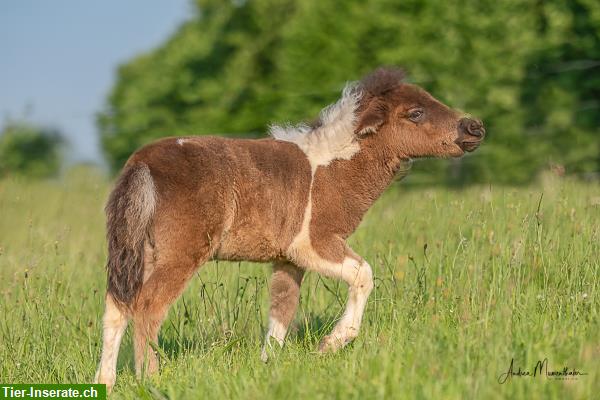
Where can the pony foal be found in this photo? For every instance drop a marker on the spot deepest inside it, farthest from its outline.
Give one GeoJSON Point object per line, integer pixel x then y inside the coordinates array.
{"type": "Point", "coordinates": [292, 199]}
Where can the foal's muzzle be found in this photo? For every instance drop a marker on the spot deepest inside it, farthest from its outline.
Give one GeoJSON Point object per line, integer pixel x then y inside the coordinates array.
{"type": "Point", "coordinates": [470, 134]}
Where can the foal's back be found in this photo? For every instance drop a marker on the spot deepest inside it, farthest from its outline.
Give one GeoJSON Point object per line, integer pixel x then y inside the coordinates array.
{"type": "Point", "coordinates": [247, 196]}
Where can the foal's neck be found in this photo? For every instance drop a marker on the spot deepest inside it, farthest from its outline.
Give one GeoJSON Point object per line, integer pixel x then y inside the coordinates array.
{"type": "Point", "coordinates": [357, 183]}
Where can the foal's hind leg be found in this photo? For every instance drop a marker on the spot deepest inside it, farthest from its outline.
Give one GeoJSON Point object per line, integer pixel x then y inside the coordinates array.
{"type": "Point", "coordinates": [165, 284]}
{"type": "Point", "coordinates": [285, 296]}
{"type": "Point", "coordinates": [114, 323]}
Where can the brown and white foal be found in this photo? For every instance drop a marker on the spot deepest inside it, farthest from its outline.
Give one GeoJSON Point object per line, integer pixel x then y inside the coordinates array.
{"type": "Point", "coordinates": [292, 199]}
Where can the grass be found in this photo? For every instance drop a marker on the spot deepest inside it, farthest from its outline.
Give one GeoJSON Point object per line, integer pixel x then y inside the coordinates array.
{"type": "Point", "coordinates": [466, 280]}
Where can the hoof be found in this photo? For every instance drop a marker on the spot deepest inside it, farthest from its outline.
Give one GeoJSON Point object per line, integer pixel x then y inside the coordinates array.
{"type": "Point", "coordinates": [109, 381]}
{"type": "Point", "coordinates": [330, 344]}
{"type": "Point", "coordinates": [269, 351]}
{"type": "Point", "coordinates": [109, 388]}
{"type": "Point", "coordinates": [264, 357]}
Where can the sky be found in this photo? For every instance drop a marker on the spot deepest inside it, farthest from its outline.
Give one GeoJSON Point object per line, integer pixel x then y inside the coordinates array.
{"type": "Point", "coordinates": [58, 59]}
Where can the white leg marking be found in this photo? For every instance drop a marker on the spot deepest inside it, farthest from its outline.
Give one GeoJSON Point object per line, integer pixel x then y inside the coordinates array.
{"type": "Point", "coordinates": [359, 277]}
{"type": "Point", "coordinates": [277, 331]}
{"type": "Point", "coordinates": [114, 324]}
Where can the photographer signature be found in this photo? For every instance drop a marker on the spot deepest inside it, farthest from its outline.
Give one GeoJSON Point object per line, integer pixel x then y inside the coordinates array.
{"type": "Point", "coordinates": [540, 369]}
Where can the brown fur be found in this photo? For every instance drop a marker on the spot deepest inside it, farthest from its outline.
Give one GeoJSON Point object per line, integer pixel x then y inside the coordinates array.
{"type": "Point", "coordinates": [267, 200]}
{"type": "Point", "coordinates": [285, 291]}
{"type": "Point", "coordinates": [239, 181]}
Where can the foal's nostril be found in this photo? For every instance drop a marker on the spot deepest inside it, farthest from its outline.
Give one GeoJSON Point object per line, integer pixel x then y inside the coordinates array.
{"type": "Point", "coordinates": [471, 127]}
{"type": "Point", "coordinates": [476, 129]}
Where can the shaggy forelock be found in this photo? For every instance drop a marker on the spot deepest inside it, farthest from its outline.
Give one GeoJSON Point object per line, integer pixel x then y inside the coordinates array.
{"type": "Point", "coordinates": [381, 81]}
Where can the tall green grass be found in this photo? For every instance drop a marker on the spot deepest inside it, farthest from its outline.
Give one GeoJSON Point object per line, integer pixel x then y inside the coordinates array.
{"type": "Point", "coordinates": [466, 280]}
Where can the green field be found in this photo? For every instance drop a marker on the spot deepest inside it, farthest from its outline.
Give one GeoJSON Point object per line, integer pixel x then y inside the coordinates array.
{"type": "Point", "coordinates": [466, 280]}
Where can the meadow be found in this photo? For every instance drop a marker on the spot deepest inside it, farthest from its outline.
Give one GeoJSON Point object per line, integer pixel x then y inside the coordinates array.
{"type": "Point", "coordinates": [466, 281]}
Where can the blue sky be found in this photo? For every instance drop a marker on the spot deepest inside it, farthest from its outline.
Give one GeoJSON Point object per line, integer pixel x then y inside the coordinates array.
{"type": "Point", "coordinates": [58, 58]}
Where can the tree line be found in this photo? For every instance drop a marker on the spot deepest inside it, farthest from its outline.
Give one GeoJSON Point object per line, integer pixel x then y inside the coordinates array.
{"type": "Point", "coordinates": [529, 69]}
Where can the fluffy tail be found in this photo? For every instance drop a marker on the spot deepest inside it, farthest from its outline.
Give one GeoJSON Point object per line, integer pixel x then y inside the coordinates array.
{"type": "Point", "coordinates": [129, 211]}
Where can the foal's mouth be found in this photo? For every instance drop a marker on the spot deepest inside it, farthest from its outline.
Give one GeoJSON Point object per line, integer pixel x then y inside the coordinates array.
{"type": "Point", "coordinates": [468, 145]}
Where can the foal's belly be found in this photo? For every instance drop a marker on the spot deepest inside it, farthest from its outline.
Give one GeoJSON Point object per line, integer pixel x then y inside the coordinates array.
{"type": "Point", "coordinates": [249, 245]}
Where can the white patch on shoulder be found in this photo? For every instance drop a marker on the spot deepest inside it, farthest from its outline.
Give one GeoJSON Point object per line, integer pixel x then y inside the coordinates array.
{"type": "Point", "coordinates": [334, 137]}
{"type": "Point", "coordinates": [181, 141]}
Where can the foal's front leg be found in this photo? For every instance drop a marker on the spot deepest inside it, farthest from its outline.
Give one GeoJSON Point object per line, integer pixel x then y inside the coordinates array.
{"type": "Point", "coordinates": [357, 273]}
{"type": "Point", "coordinates": [359, 277]}
{"type": "Point", "coordinates": [285, 296]}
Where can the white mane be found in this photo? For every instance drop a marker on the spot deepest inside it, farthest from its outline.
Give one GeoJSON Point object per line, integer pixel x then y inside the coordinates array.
{"type": "Point", "coordinates": [333, 138]}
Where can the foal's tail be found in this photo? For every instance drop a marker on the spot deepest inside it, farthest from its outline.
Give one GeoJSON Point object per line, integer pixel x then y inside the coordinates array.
{"type": "Point", "coordinates": [129, 211]}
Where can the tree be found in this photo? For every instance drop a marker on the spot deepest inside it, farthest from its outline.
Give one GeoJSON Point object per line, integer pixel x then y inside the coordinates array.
{"type": "Point", "coordinates": [562, 85]}
{"type": "Point", "coordinates": [210, 77]}
{"type": "Point", "coordinates": [237, 66]}
{"type": "Point", "coordinates": [29, 150]}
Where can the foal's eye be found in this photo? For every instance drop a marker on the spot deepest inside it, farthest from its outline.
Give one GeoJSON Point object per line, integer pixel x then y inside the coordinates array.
{"type": "Point", "coordinates": [416, 114]}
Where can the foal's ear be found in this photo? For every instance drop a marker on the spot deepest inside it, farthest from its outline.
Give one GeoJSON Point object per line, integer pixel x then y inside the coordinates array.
{"type": "Point", "coordinates": [371, 117]}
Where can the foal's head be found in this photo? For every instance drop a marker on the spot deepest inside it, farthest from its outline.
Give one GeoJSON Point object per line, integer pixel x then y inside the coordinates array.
{"type": "Point", "coordinates": [410, 121]}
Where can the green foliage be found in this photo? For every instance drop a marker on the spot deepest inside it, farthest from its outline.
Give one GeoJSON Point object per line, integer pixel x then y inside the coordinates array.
{"type": "Point", "coordinates": [530, 70]}
{"type": "Point", "coordinates": [30, 151]}
{"type": "Point", "coordinates": [562, 85]}
{"type": "Point", "coordinates": [499, 279]}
